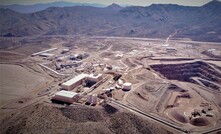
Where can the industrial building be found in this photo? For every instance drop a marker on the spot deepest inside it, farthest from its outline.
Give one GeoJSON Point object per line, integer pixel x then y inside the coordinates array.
{"type": "Point", "coordinates": [165, 45]}
{"type": "Point", "coordinates": [78, 80]}
{"type": "Point", "coordinates": [79, 56]}
{"type": "Point", "coordinates": [66, 96]}
{"type": "Point", "coordinates": [92, 99]}
{"type": "Point", "coordinates": [65, 51]}
{"type": "Point", "coordinates": [94, 77]}
{"type": "Point", "coordinates": [74, 82]}
{"type": "Point", "coordinates": [46, 55]}
{"type": "Point", "coordinates": [45, 51]}
{"type": "Point", "coordinates": [89, 99]}
{"type": "Point", "coordinates": [72, 64]}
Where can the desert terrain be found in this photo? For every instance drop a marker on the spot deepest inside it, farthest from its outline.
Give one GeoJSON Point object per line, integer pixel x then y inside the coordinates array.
{"type": "Point", "coordinates": [135, 69]}
{"type": "Point", "coordinates": [174, 85]}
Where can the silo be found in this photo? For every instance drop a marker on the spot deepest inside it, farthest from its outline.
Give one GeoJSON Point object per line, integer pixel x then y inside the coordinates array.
{"type": "Point", "coordinates": [127, 86]}
{"type": "Point", "coordinates": [120, 82]}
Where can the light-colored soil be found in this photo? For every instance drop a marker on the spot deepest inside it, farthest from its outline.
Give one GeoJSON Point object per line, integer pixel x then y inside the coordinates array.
{"type": "Point", "coordinates": [7, 55]}
{"type": "Point", "coordinates": [145, 97]}
{"type": "Point", "coordinates": [15, 81]}
{"type": "Point", "coordinates": [18, 83]}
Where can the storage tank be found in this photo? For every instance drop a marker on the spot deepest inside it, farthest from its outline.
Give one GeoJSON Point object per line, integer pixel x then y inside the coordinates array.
{"type": "Point", "coordinates": [127, 86]}
{"type": "Point", "coordinates": [120, 82]}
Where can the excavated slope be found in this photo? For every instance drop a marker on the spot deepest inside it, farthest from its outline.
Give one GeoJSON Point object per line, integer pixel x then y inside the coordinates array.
{"type": "Point", "coordinates": [187, 71]}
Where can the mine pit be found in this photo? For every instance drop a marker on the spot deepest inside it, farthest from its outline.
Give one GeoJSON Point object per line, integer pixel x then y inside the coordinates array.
{"type": "Point", "coordinates": [194, 72]}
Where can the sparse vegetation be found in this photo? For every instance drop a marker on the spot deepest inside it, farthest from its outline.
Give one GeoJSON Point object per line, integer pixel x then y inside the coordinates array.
{"type": "Point", "coordinates": [79, 119]}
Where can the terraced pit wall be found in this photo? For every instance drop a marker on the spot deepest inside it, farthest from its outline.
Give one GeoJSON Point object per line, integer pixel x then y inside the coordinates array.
{"type": "Point", "coordinates": [186, 71]}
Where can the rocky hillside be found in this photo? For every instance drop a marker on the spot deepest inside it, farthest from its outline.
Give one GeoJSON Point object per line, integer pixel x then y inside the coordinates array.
{"type": "Point", "coordinates": [157, 21]}
{"type": "Point", "coordinates": [79, 120]}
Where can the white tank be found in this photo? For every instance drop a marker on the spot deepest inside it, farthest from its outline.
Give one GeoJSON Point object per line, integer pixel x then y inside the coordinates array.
{"type": "Point", "coordinates": [127, 86]}
{"type": "Point", "coordinates": [120, 82]}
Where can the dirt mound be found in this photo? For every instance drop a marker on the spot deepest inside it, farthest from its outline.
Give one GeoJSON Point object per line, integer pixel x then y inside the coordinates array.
{"type": "Point", "coordinates": [179, 117]}
{"type": "Point", "coordinates": [77, 119]}
{"type": "Point", "coordinates": [199, 121]}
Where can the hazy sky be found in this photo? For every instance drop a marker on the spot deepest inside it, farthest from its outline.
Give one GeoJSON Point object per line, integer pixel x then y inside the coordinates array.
{"type": "Point", "coordinates": [108, 2]}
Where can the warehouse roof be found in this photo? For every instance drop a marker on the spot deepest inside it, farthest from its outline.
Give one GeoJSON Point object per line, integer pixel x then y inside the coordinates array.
{"type": "Point", "coordinates": [68, 94]}
{"type": "Point", "coordinates": [46, 54]}
{"type": "Point", "coordinates": [94, 76]}
{"type": "Point", "coordinates": [75, 79]}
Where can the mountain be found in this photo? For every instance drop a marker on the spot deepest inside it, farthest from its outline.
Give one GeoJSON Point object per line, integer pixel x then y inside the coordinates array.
{"type": "Point", "coordinates": [154, 21]}
{"type": "Point", "coordinates": [39, 7]}
{"type": "Point", "coordinates": [115, 7]}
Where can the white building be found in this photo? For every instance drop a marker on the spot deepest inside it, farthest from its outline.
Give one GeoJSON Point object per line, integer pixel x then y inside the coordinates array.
{"type": "Point", "coordinates": [78, 80]}
{"type": "Point", "coordinates": [46, 55]}
{"type": "Point", "coordinates": [94, 98]}
{"type": "Point", "coordinates": [45, 51]}
{"type": "Point", "coordinates": [94, 77]}
{"type": "Point", "coordinates": [65, 50]}
{"type": "Point", "coordinates": [165, 45]}
{"type": "Point", "coordinates": [74, 82]}
{"type": "Point", "coordinates": [89, 98]}
{"type": "Point", "coordinates": [66, 96]}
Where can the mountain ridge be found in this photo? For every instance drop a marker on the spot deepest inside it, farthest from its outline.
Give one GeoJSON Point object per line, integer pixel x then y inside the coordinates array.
{"type": "Point", "coordinates": [154, 21]}
{"type": "Point", "coordinates": [42, 6]}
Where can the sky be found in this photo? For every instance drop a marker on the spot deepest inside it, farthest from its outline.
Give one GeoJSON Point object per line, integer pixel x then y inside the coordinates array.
{"type": "Point", "coordinates": [108, 2]}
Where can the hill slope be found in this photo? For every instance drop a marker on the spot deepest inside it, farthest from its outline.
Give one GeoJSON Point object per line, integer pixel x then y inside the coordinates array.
{"type": "Point", "coordinates": [158, 21]}
{"type": "Point", "coordinates": [81, 120]}
{"type": "Point", "coordinates": [43, 6]}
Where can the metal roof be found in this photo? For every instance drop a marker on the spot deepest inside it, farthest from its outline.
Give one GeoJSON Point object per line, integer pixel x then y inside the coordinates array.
{"type": "Point", "coordinates": [64, 93]}
{"type": "Point", "coordinates": [94, 76]}
{"type": "Point", "coordinates": [46, 54]}
{"type": "Point", "coordinates": [75, 79]}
